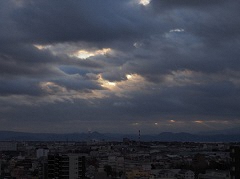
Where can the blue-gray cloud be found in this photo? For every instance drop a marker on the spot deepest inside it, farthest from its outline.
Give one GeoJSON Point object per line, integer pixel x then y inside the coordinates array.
{"type": "Point", "coordinates": [186, 53]}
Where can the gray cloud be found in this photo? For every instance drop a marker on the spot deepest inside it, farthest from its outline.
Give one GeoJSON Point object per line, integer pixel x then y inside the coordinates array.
{"type": "Point", "coordinates": [184, 55]}
{"type": "Point", "coordinates": [61, 21]}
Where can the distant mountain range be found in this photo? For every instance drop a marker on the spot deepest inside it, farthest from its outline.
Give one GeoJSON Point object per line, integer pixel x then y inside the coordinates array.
{"type": "Point", "coordinates": [165, 136]}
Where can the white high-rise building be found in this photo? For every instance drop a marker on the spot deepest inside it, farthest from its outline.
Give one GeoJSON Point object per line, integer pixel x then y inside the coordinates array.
{"type": "Point", "coordinates": [42, 153]}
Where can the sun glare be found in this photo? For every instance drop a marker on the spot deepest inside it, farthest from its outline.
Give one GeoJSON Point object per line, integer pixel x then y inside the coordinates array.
{"type": "Point", "coordinates": [199, 122]}
{"type": "Point", "coordinates": [111, 83]}
{"type": "Point", "coordinates": [129, 77]}
{"type": "Point", "coordinates": [144, 2]}
{"type": "Point", "coordinates": [84, 54]}
{"type": "Point", "coordinates": [42, 47]}
{"type": "Point", "coordinates": [106, 84]}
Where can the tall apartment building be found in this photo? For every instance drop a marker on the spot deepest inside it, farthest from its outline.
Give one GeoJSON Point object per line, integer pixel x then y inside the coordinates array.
{"type": "Point", "coordinates": [65, 166]}
{"type": "Point", "coordinates": [235, 163]}
{"type": "Point", "coordinates": [42, 152]}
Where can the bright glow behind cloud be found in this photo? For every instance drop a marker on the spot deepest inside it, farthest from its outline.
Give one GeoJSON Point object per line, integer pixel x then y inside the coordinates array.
{"type": "Point", "coordinates": [73, 50]}
{"type": "Point", "coordinates": [42, 47]}
{"type": "Point", "coordinates": [125, 87]}
{"type": "Point", "coordinates": [144, 2]}
{"type": "Point", "coordinates": [86, 54]}
{"type": "Point", "coordinates": [177, 30]}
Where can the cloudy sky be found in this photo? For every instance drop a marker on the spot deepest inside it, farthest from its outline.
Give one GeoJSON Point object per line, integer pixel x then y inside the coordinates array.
{"type": "Point", "coordinates": [119, 65]}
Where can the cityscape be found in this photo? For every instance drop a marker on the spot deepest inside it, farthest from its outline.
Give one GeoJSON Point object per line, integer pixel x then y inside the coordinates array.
{"type": "Point", "coordinates": [126, 159]}
{"type": "Point", "coordinates": [119, 89]}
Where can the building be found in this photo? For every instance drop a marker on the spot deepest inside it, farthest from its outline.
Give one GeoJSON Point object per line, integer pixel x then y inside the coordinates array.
{"type": "Point", "coordinates": [42, 169]}
{"type": "Point", "coordinates": [8, 146]}
{"type": "Point", "coordinates": [235, 162]}
{"type": "Point", "coordinates": [137, 174]}
{"type": "Point", "coordinates": [42, 152]}
{"type": "Point", "coordinates": [214, 174]}
{"type": "Point", "coordinates": [66, 166]}
{"type": "Point", "coordinates": [186, 174]}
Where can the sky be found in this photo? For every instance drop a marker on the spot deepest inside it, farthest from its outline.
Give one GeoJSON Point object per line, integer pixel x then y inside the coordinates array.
{"type": "Point", "coordinates": [119, 66]}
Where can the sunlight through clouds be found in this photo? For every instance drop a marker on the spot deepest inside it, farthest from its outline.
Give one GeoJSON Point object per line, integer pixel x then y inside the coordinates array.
{"type": "Point", "coordinates": [105, 83]}
{"type": "Point", "coordinates": [168, 65]}
{"type": "Point", "coordinates": [129, 77]}
{"type": "Point", "coordinates": [84, 54]}
{"type": "Point", "coordinates": [51, 87]}
{"type": "Point", "coordinates": [144, 2]}
{"type": "Point", "coordinates": [73, 50]}
{"type": "Point", "coordinates": [42, 47]}
{"type": "Point", "coordinates": [125, 87]}
{"type": "Point", "coordinates": [133, 82]}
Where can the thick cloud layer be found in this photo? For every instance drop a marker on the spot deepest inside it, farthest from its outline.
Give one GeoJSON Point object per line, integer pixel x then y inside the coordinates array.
{"type": "Point", "coordinates": [119, 66]}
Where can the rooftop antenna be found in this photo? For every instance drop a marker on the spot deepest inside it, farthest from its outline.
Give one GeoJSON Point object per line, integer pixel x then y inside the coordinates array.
{"type": "Point", "coordinates": [139, 135]}
{"type": "Point", "coordinates": [89, 136]}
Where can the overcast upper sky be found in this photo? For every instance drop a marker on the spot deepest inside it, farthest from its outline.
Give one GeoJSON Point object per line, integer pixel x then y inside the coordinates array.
{"type": "Point", "coordinates": [119, 65]}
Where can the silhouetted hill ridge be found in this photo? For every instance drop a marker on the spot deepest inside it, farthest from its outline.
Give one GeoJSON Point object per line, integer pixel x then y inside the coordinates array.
{"type": "Point", "coordinates": [164, 136]}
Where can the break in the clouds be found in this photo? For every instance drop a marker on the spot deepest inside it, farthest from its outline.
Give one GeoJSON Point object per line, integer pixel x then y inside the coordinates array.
{"type": "Point", "coordinates": [119, 66]}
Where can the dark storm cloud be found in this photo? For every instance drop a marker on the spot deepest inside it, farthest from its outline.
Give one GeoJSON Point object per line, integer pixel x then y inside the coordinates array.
{"type": "Point", "coordinates": [216, 20]}
{"type": "Point", "coordinates": [184, 56]}
{"type": "Point", "coordinates": [189, 102]}
{"type": "Point", "coordinates": [187, 53]}
{"type": "Point", "coordinates": [208, 41]}
{"type": "Point", "coordinates": [35, 22]}
{"type": "Point", "coordinates": [91, 64]}
{"type": "Point", "coordinates": [175, 4]}
{"type": "Point", "coordinates": [77, 83]}
{"type": "Point", "coordinates": [21, 59]}
{"type": "Point", "coordinates": [19, 87]}
{"type": "Point", "coordinates": [61, 21]}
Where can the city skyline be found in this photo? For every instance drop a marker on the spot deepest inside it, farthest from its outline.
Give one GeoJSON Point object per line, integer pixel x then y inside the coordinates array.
{"type": "Point", "coordinates": [119, 66]}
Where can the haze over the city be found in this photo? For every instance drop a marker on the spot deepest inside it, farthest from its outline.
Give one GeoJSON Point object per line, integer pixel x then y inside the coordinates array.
{"type": "Point", "coordinates": [118, 66]}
